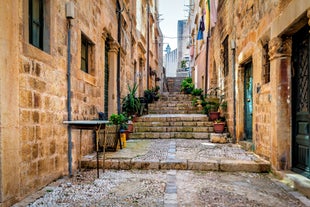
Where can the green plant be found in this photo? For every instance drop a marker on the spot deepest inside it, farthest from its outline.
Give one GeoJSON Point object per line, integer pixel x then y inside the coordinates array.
{"type": "Point", "coordinates": [211, 106]}
{"type": "Point", "coordinates": [131, 104]}
{"type": "Point", "coordinates": [156, 89]}
{"type": "Point", "coordinates": [119, 119]}
{"type": "Point", "coordinates": [194, 101]}
{"type": "Point", "coordinates": [221, 119]}
{"type": "Point", "coordinates": [187, 85]}
{"type": "Point", "coordinates": [197, 92]}
{"type": "Point", "coordinates": [149, 95]}
{"type": "Point", "coordinates": [223, 105]}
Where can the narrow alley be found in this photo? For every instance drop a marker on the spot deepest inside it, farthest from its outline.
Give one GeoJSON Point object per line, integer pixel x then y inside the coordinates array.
{"type": "Point", "coordinates": [155, 103]}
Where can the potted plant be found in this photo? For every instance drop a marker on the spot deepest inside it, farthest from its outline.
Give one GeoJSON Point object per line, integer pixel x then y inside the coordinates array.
{"type": "Point", "coordinates": [149, 95]}
{"type": "Point", "coordinates": [120, 120]}
{"type": "Point", "coordinates": [219, 125]}
{"type": "Point", "coordinates": [211, 108]}
{"type": "Point", "coordinates": [112, 131]}
{"type": "Point", "coordinates": [197, 92]}
{"type": "Point", "coordinates": [131, 104]}
{"type": "Point", "coordinates": [187, 85]}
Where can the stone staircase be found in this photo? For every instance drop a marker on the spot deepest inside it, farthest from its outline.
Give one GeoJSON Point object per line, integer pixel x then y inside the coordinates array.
{"type": "Point", "coordinates": [173, 117]}
{"type": "Point", "coordinates": [174, 103]}
{"type": "Point", "coordinates": [170, 139]}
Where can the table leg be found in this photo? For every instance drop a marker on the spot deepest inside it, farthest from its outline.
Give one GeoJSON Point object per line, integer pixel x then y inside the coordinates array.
{"type": "Point", "coordinates": [80, 150]}
{"type": "Point", "coordinates": [97, 150]}
{"type": "Point", "coordinates": [103, 151]}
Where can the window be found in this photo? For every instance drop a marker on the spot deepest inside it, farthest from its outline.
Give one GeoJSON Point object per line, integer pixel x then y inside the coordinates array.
{"type": "Point", "coordinates": [225, 56]}
{"type": "Point", "coordinates": [36, 23]}
{"type": "Point", "coordinates": [87, 48]}
{"type": "Point", "coordinates": [266, 64]}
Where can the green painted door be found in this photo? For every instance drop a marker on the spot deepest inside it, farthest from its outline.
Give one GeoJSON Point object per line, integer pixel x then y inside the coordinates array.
{"type": "Point", "coordinates": [248, 100]}
{"type": "Point", "coordinates": [301, 102]}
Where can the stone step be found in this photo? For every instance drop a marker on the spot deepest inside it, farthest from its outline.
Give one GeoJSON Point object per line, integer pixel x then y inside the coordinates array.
{"type": "Point", "coordinates": [173, 118]}
{"type": "Point", "coordinates": [179, 154]}
{"type": "Point", "coordinates": [174, 124]}
{"type": "Point", "coordinates": [170, 135]}
{"type": "Point", "coordinates": [175, 97]}
{"type": "Point", "coordinates": [172, 104]}
{"type": "Point", "coordinates": [174, 129]}
{"type": "Point", "coordinates": [175, 112]}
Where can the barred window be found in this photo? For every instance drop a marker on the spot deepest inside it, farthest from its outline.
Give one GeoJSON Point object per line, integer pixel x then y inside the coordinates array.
{"type": "Point", "coordinates": [36, 23]}
{"type": "Point", "coordinates": [225, 56]}
{"type": "Point", "coordinates": [266, 64]}
{"type": "Point", "coordinates": [87, 48]}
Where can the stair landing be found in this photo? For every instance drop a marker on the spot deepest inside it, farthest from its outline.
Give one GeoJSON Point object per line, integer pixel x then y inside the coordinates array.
{"type": "Point", "coordinates": [180, 154]}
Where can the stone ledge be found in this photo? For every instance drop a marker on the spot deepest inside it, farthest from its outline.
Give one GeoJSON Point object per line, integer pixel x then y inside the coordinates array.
{"type": "Point", "coordinates": [210, 165]}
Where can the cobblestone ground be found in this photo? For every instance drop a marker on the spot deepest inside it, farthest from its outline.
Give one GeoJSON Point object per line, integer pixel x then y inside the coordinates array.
{"type": "Point", "coordinates": [166, 188]}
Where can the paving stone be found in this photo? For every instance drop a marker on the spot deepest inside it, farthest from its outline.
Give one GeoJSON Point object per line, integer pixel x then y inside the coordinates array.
{"type": "Point", "coordinates": [211, 165]}
{"type": "Point", "coordinates": [173, 164]}
{"type": "Point", "coordinates": [241, 165]}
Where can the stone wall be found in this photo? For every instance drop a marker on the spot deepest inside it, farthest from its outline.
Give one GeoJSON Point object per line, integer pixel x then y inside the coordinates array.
{"type": "Point", "coordinates": [251, 25]}
{"type": "Point", "coordinates": [33, 87]}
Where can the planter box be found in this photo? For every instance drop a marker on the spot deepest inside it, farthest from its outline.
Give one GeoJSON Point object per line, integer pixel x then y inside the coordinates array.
{"type": "Point", "coordinates": [112, 135]}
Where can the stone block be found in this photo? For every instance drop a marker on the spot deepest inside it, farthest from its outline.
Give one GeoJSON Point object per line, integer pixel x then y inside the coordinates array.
{"type": "Point", "coordinates": [145, 165]}
{"type": "Point", "coordinates": [210, 165]}
{"type": "Point", "coordinates": [125, 164]}
{"type": "Point", "coordinates": [166, 135]}
{"type": "Point", "coordinates": [111, 164]}
{"type": "Point", "coordinates": [25, 100]}
{"type": "Point", "coordinates": [173, 165]}
{"type": "Point", "coordinates": [243, 165]}
{"type": "Point", "coordinates": [189, 123]}
{"type": "Point", "coordinates": [218, 138]}
{"type": "Point", "coordinates": [200, 135]}
{"type": "Point", "coordinates": [152, 135]}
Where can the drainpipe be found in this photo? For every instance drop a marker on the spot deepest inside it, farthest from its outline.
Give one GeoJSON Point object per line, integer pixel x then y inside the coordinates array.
{"type": "Point", "coordinates": [148, 46]}
{"type": "Point", "coordinates": [233, 48]}
{"type": "Point", "coordinates": [118, 75]}
{"type": "Point", "coordinates": [69, 15]}
{"type": "Point", "coordinates": [207, 63]}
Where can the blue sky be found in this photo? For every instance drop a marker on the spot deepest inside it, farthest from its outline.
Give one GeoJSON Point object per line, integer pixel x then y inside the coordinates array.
{"type": "Point", "coordinates": [171, 11]}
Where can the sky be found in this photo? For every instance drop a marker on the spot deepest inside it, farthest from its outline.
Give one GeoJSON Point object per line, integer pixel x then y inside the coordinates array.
{"type": "Point", "coordinates": [171, 11]}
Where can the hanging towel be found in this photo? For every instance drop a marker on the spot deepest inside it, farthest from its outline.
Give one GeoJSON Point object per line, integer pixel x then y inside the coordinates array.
{"type": "Point", "coordinates": [201, 29]}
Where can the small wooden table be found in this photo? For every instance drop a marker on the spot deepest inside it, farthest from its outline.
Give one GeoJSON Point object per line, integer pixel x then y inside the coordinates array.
{"type": "Point", "coordinates": [95, 125]}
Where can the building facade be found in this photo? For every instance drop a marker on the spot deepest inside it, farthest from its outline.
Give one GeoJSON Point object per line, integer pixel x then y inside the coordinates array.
{"type": "Point", "coordinates": [171, 62]}
{"type": "Point", "coordinates": [258, 53]}
{"type": "Point", "coordinates": [101, 48]}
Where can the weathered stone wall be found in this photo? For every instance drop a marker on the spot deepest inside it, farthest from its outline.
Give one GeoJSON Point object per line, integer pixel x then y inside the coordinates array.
{"type": "Point", "coordinates": [252, 24]}
{"type": "Point", "coordinates": [33, 87]}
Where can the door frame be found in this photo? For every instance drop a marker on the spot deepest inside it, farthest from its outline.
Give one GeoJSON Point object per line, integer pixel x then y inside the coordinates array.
{"type": "Point", "coordinates": [296, 154]}
{"type": "Point", "coordinates": [247, 66]}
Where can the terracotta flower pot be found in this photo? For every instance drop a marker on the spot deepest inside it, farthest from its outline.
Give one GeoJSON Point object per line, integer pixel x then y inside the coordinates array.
{"type": "Point", "coordinates": [214, 115]}
{"type": "Point", "coordinates": [219, 127]}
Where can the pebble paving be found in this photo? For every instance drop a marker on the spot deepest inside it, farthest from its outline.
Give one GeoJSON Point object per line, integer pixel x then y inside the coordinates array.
{"type": "Point", "coordinates": [170, 188]}
{"type": "Point", "coordinates": [166, 188]}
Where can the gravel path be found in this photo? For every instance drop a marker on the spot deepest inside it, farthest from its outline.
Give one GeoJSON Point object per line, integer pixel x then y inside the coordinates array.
{"type": "Point", "coordinates": [165, 188]}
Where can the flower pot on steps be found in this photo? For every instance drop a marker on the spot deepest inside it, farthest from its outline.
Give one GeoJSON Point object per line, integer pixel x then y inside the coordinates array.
{"type": "Point", "coordinates": [219, 127]}
{"type": "Point", "coordinates": [214, 115]}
